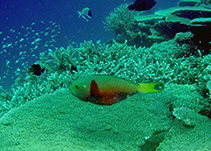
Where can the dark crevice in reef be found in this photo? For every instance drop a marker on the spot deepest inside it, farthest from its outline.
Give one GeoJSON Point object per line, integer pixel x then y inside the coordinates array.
{"type": "Point", "coordinates": [153, 142]}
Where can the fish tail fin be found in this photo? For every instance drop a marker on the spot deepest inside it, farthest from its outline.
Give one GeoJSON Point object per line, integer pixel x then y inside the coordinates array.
{"type": "Point", "coordinates": [151, 87]}
{"type": "Point", "coordinates": [79, 14]}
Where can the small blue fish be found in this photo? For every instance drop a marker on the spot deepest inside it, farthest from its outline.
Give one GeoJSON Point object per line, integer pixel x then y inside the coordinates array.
{"type": "Point", "coordinates": [86, 13]}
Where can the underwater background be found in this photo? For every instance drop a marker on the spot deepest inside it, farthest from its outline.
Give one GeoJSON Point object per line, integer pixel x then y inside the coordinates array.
{"type": "Point", "coordinates": [46, 49]}
{"type": "Point", "coordinates": [56, 24]}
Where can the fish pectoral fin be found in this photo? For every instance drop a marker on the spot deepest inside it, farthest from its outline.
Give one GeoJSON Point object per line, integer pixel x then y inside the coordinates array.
{"type": "Point", "coordinates": [151, 87]}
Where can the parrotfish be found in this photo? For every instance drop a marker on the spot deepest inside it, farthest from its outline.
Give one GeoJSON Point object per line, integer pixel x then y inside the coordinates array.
{"type": "Point", "coordinates": [107, 90]}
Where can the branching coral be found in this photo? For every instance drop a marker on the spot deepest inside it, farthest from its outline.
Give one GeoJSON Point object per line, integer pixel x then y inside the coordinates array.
{"type": "Point", "coordinates": [122, 23]}
{"type": "Point", "coordinates": [121, 20]}
{"type": "Point", "coordinates": [60, 59]}
{"type": "Point", "coordinates": [162, 62]}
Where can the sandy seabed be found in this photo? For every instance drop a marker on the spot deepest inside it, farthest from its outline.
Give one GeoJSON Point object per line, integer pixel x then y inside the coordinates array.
{"type": "Point", "coordinates": [60, 121]}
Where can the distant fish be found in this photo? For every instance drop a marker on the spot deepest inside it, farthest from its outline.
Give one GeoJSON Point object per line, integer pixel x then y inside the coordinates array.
{"type": "Point", "coordinates": [140, 5]}
{"type": "Point", "coordinates": [36, 69]}
{"type": "Point", "coordinates": [86, 13]}
{"type": "Point", "coordinates": [107, 90]}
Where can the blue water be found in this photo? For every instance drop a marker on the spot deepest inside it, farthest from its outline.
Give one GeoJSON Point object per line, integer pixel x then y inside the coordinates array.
{"type": "Point", "coordinates": [27, 28]}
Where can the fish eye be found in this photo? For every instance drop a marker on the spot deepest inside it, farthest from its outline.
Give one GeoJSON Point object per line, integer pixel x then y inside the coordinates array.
{"type": "Point", "coordinates": [76, 86]}
{"type": "Point", "coordinates": [159, 86]}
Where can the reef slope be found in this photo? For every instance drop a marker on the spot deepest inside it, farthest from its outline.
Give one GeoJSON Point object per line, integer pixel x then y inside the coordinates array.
{"type": "Point", "coordinates": [60, 121]}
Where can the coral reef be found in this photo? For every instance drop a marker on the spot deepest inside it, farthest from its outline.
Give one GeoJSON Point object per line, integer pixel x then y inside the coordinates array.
{"type": "Point", "coordinates": [204, 3]}
{"type": "Point", "coordinates": [177, 59]}
{"type": "Point", "coordinates": [186, 115]}
{"type": "Point", "coordinates": [189, 2]}
{"type": "Point", "coordinates": [161, 62]}
{"type": "Point", "coordinates": [121, 20]}
{"type": "Point", "coordinates": [165, 24]}
{"type": "Point", "coordinates": [170, 46]}
{"type": "Point", "coordinates": [123, 24]}
{"type": "Point", "coordinates": [71, 124]}
{"type": "Point", "coordinates": [191, 131]}
{"type": "Point", "coordinates": [186, 96]}
{"type": "Point", "coordinates": [144, 30]}
{"type": "Point", "coordinates": [187, 30]}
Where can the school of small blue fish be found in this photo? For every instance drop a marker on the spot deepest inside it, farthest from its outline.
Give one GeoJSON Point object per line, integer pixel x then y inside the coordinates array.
{"type": "Point", "coordinates": [26, 42]}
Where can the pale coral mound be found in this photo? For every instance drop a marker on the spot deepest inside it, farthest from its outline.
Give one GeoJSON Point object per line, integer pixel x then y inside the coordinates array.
{"type": "Point", "coordinates": [60, 121]}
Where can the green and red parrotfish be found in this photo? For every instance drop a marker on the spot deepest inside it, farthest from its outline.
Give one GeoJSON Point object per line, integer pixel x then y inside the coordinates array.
{"type": "Point", "coordinates": [107, 90]}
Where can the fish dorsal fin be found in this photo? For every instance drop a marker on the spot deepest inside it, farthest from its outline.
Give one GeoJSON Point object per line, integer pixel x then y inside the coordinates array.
{"type": "Point", "coordinates": [94, 89]}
